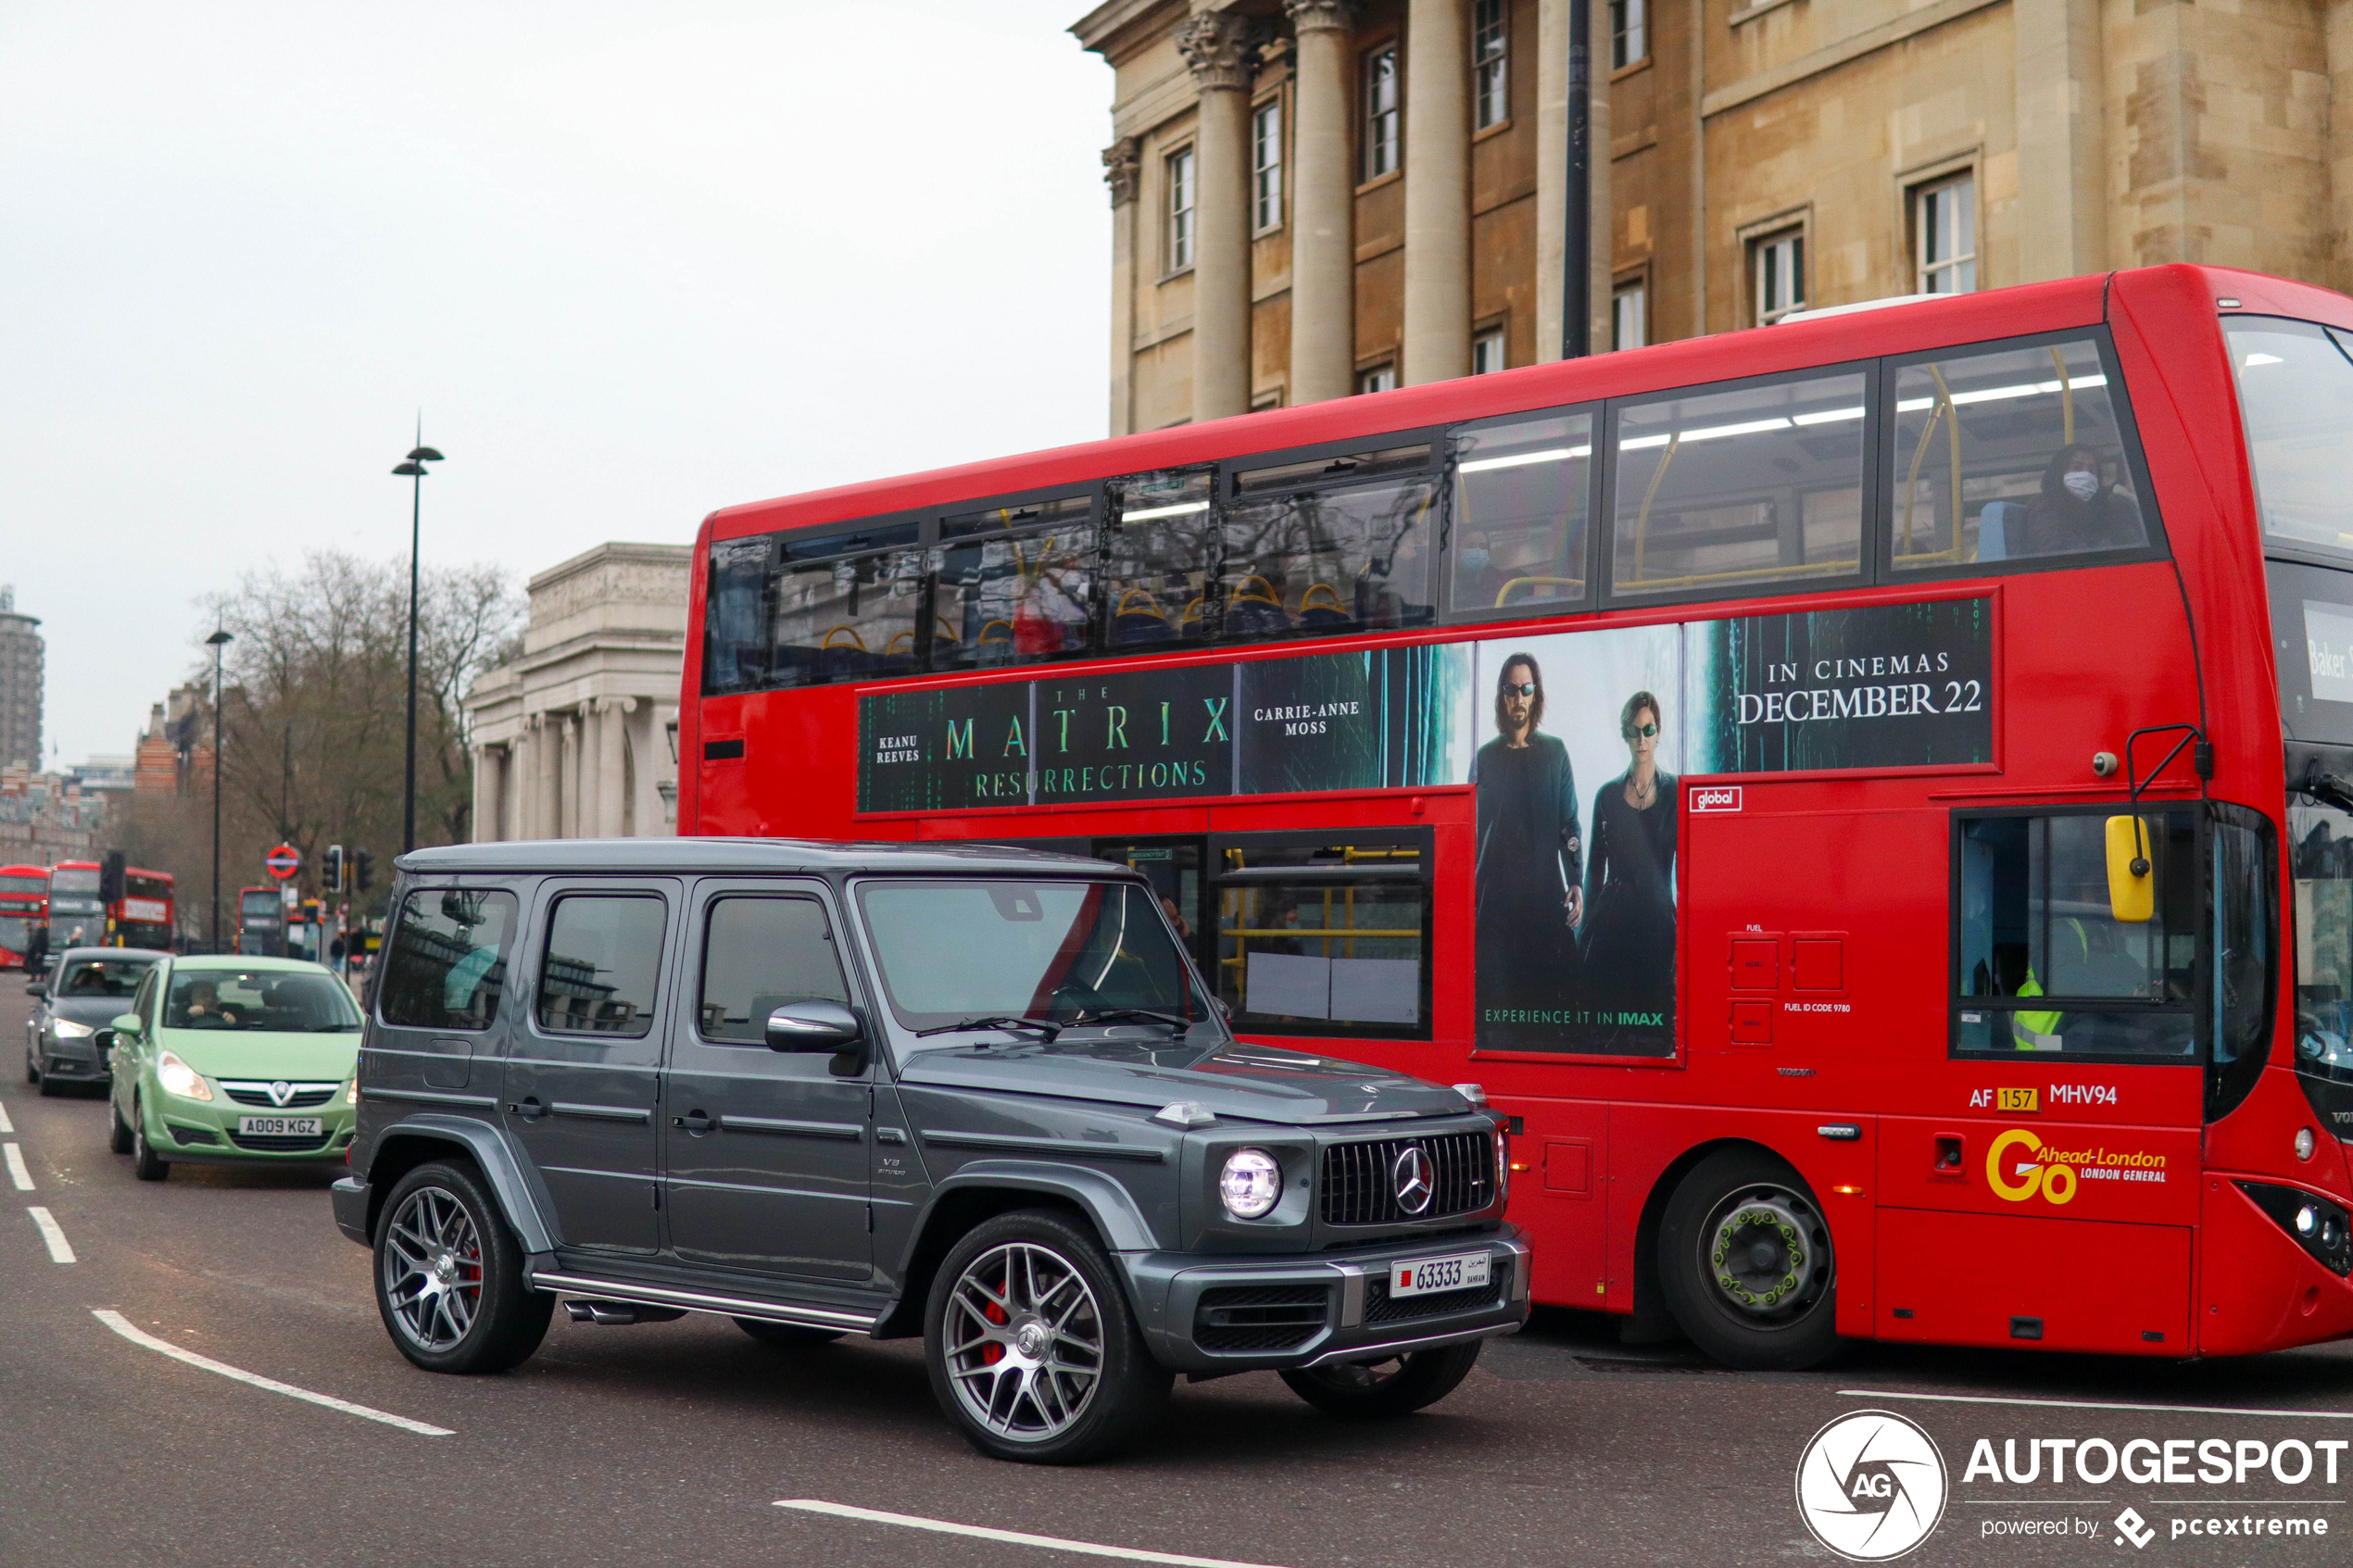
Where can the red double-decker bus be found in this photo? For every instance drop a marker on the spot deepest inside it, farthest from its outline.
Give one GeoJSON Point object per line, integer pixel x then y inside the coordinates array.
{"type": "Point", "coordinates": [24, 909]}
{"type": "Point", "coordinates": [1870, 798]}
{"type": "Point", "coordinates": [146, 916]}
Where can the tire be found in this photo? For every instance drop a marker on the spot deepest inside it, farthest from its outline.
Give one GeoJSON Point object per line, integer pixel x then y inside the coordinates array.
{"type": "Point", "coordinates": [145, 1163]}
{"type": "Point", "coordinates": [1392, 1387]}
{"type": "Point", "coordinates": [787, 1336]}
{"type": "Point", "coordinates": [32, 1067]}
{"type": "Point", "coordinates": [449, 1275]}
{"type": "Point", "coordinates": [50, 1087]}
{"type": "Point", "coordinates": [1746, 1265]}
{"type": "Point", "coordinates": [1027, 1293]}
{"type": "Point", "coordinates": [118, 1130]}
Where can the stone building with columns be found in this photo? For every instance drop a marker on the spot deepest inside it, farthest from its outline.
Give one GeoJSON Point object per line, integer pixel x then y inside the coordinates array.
{"type": "Point", "coordinates": [577, 737]}
{"type": "Point", "coordinates": [1316, 197]}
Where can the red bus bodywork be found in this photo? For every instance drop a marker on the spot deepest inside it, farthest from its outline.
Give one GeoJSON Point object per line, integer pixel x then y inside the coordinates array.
{"type": "Point", "coordinates": [146, 915]}
{"type": "Point", "coordinates": [24, 907]}
{"type": "Point", "coordinates": [1852, 1082]}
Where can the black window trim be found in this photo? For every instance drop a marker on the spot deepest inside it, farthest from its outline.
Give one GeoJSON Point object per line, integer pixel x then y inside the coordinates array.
{"type": "Point", "coordinates": [554, 891]}
{"type": "Point", "coordinates": [2127, 432]}
{"type": "Point", "coordinates": [2197, 1007]}
{"type": "Point", "coordinates": [1212, 881]}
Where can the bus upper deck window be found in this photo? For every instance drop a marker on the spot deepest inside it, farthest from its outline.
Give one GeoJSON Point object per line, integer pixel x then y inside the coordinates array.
{"type": "Point", "coordinates": [2014, 454]}
{"type": "Point", "coordinates": [2296, 392]}
{"type": "Point", "coordinates": [1336, 552]}
{"type": "Point", "coordinates": [1752, 486]}
{"type": "Point", "coordinates": [1158, 559]}
{"type": "Point", "coordinates": [1520, 488]}
{"type": "Point", "coordinates": [736, 616]}
{"type": "Point", "coordinates": [846, 618]}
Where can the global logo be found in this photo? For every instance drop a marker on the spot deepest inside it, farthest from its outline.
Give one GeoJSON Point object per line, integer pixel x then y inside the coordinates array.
{"type": "Point", "coordinates": [1871, 1486]}
{"type": "Point", "coordinates": [1723, 797]}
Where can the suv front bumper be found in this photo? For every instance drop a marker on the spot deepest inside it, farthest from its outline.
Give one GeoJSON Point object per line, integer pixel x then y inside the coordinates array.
{"type": "Point", "coordinates": [1206, 1316]}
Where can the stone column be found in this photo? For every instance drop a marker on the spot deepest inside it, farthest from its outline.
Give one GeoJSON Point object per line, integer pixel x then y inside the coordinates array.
{"type": "Point", "coordinates": [588, 818]}
{"type": "Point", "coordinates": [490, 770]}
{"type": "Point", "coordinates": [1323, 202]}
{"type": "Point", "coordinates": [1122, 161]}
{"type": "Point", "coordinates": [612, 714]}
{"type": "Point", "coordinates": [2063, 145]}
{"type": "Point", "coordinates": [1437, 336]}
{"type": "Point", "coordinates": [564, 794]}
{"type": "Point", "coordinates": [524, 820]}
{"type": "Point", "coordinates": [1221, 50]}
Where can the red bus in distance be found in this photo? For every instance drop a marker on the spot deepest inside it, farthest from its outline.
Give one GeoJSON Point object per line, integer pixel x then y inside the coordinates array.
{"type": "Point", "coordinates": [24, 909]}
{"type": "Point", "coordinates": [1870, 798]}
{"type": "Point", "coordinates": [146, 916]}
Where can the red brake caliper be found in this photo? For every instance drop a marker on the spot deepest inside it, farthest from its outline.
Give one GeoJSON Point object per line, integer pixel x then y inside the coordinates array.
{"type": "Point", "coordinates": [992, 1353]}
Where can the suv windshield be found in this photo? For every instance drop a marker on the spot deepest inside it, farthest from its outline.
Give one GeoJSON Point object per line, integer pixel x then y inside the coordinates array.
{"type": "Point", "coordinates": [272, 1000]}
{"type": "Point", "coordinates": [1060, 952]}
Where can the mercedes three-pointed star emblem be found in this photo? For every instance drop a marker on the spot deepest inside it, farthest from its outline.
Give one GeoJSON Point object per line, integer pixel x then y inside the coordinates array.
{"type": "Point", "coordinates": [1411, 1179]}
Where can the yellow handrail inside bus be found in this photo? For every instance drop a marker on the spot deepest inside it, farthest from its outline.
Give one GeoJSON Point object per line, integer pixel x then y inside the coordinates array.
{"type": "Point", "coordinates": [898, 637]}
{"type": "Point", "coordinates": [1329, 590]}
{"type": "Point", "coordinates": [1008, 637]}
{"type": "Point", "coordinates": [851, 631]}
{"type": "Point", "coordinates": [1953, 415]}
{"type": "Point", "coordinates": [2067, 398]}
{"type": "Point", "coordinates": [947, 631]}
{"type": "Point", "coordinates": [1192, 612]}
{"type": "Point", "coordinates": [1577, 583]}
{"type": "Point", "coordinates": [1912, 478]}
{"type": "Point", "coordinates": [1147, 595]}
{"type": "Point", "coordinates": [1642, 519]}
{"type": "Point", "coordinates": [1265, 595]}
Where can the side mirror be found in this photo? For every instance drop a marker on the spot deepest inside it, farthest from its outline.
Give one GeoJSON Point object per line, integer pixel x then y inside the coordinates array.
{"type": "Point", "coordinates": [815, 1026]}
{"type": "Point", "coordinates": [2132, 881]}
{"type": "Point", "coordinates": [34, 989]}
{"type": "Point", "coordinates": [127, 1023]}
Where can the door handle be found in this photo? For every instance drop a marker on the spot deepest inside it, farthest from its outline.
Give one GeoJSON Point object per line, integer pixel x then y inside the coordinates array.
{"type": "Point", "coordinates": [530, 1109]}
{"type": "Point", "coordinates": [695, 1121]}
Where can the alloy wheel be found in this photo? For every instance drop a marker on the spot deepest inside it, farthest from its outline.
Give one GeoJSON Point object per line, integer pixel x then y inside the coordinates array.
{"type": "Point", "coordinates": [432, 1268]}
{"type": "Point", "coordinates": [1025, 1342]}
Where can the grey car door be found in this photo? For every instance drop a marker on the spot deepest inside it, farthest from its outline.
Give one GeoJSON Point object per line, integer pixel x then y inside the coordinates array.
{"type": "Point", "coordinates": [582, 1081]}
{"type": "Point", "coordinates": [764, 1152]}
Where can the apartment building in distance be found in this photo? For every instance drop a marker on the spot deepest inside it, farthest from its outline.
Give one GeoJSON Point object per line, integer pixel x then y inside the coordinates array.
{"type": "Point", "coordinates": [21, 658]}
{"type": "Point", "coordinates": [1317, 197]}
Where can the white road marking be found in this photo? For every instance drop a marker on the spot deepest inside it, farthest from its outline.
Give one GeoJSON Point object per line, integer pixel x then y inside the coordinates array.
{"type": "Point", "coordinates": [123, 1326]}
{"type": "Point", "coordinates": [5, 1125]}
{"type": "Point", "coordinates": [1015, 1537]}
{"type": "Point", "coordinates": [2094, 1405]}
{"type": "Point", "coordinates": [17, 1172]}
{"type": "Point", "coordinates": [60, 1249]}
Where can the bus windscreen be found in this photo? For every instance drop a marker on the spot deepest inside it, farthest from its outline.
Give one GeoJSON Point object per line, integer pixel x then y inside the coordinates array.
{"type": "Point", "coordinates": [2296, 382]}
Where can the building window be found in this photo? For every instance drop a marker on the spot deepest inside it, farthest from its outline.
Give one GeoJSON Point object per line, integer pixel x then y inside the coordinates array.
{"type": "Point", "coordinates": [1630, 316]}
{"type": "Point", "coordinates": [1181, 170]}
{"type": "Point", "coordinates": [1944, 235]}
{"type": "Point", "coordinates": [1382, 127]}
{"type": "Point", "coordinates": [1487, 351]}
{"type": "Point", "coordinates": [1779, 267]}
{"type": "Point", "coordinates": [1630, 41]}
{"type": "Point", "coordinates": [1381, 378]}
{"type": "Point", "coordinates": [1491, 76]}
{"type": "Point", "coordinates": [1266, 165]}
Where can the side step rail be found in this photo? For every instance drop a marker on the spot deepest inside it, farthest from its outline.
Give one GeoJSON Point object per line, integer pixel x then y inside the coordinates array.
{"type": "Point", "coordinates": [703, 1301]}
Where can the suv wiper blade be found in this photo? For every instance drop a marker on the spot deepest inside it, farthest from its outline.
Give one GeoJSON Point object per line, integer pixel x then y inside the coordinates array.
{"type": "Point", "coordinates": [1044, 1031]}
{"type": "Point", "coordinates": [1168, 1018]}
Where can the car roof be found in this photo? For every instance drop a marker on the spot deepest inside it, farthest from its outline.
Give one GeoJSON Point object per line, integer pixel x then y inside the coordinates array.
{"type": "Point", "coordinates": [71, 954]}
{"type": "Point", "coordinates": [244, 961]}
{"type": "Point", "coordinates": [722, 856]}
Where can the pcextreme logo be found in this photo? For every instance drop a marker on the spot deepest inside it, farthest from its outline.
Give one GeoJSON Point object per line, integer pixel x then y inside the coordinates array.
{"type": "Point", "coordinates": [1871, 1486]}
{"type": "Point", "coordinates": [2019, 1165]}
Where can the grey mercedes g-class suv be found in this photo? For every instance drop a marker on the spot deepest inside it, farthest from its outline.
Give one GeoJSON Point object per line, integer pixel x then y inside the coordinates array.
{"type": "Point", "coordinates": [976, 1093]}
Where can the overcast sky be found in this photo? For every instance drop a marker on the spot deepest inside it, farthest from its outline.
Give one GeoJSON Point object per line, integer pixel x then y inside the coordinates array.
{"type": "Point", "coordinates": [634, 261]}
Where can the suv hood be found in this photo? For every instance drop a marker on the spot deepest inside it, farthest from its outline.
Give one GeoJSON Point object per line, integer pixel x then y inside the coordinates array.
{"type": "Point", "coordinates": [1148, 1070]}
{"type": "Point", "coordinates": [239, 1053]}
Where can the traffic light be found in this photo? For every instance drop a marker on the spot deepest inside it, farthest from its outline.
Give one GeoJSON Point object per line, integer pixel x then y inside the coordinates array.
{"type": "Point", "coordinates": [110, 870]}
{"type": "Point", "coordinates": [332, 871]}
{"type": "Point", "coordinates": [367, 867]}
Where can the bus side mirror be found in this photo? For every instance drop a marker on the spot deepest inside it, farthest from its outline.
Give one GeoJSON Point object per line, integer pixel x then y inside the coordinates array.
{"type": "Point", "coordinates": [2132, 883]}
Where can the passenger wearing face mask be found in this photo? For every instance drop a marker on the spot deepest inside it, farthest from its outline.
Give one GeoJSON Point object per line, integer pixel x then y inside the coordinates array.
{"type": "Point", "coordinates": [2078, 510]}
{"type": "Point", "coordinates": [1476, 579]}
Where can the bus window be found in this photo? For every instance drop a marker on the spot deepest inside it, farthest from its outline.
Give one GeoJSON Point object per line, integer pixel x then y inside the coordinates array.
{"type": "Point", "coordinates": [2296, 392]}
{"type": "Point", "coordinates": [1014, 599]}
{"type": "Point", "coordinates": [2045, 966]}
{"type": "Point", "coordinates": [2022, 446]}
{"type": "Point", "coordinates": [1759, 485]}
{"type": "Point", "coordinates": [1519, 513]}
{"type": "Point", "coordinates": [2245, 879]}
{"type": "Point", "coordinates": [1159, 561]}
{"type": "Point", "coordinates": [1324, 937]}
{"type": "Point", "coordinates": [736, 616]}
{"type": "Point", "coordinates": [843, 616]}
{"type": "Point", "coordinates": [1340, 553]}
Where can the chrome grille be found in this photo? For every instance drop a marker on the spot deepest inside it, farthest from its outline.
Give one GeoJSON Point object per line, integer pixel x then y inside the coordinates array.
{"type": "Point", "coordinates": [256, 1092]}
{"type": "Point", "coordinates": [278, 1143]}
{"type": "Point", "coordinates": [1360, 1191]}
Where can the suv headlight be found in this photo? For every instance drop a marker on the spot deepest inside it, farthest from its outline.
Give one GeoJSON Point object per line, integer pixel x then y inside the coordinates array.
{"type": "Point", "coordinates": [179, 1078]}
{"type": "Point", "coordinates": [1503, 1165]}
{"type": "Point", "coordinates": [67, 1029]}
{"type": "Point", "coordinates": [1250, 1185]}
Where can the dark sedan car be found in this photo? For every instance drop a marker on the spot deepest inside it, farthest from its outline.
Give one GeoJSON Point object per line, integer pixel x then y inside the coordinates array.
{"type": "Point", "coordinates": [86, 990]}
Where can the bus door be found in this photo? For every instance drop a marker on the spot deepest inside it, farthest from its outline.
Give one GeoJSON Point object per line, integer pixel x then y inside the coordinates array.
{"type": "Point", "coordinates": [1174, 867]}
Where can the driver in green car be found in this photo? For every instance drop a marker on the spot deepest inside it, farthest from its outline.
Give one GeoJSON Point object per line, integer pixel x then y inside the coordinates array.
{"type": "Point", "coordinates": [233, 1060]}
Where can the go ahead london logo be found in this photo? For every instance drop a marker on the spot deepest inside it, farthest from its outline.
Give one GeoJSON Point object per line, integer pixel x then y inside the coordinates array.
{"type": "Point", "coordinates": [1871, 1486]}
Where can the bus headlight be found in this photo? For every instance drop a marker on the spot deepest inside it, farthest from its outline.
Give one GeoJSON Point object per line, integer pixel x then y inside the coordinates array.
{"type": "Point", "coordinates": [179, 1078]}
{"type": "Point", "coordinates": [2305, 1143]}
{"type": "Point", "coordinates": [1250, 1185]}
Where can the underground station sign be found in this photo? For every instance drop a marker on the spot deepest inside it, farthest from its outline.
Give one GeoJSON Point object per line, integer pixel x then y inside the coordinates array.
{"type": "Point", "coordinates": [283, 861]}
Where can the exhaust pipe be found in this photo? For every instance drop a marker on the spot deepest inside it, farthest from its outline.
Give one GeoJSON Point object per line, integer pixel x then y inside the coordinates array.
{"type": "Point", "coordinates": [616, 1312]}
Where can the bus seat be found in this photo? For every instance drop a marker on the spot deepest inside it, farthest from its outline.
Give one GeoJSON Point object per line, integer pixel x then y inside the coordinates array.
{"type": "Point", "coordinates": [1190, 624]}
{"type": "Point", "coordinates": [1130, 624]}
{"type": "Point", "coordinates": [1255, 613]}
{"type": "Point", "coordinates": [1328, 611]}
{"type": "Point", "coordinates": [1993, 529]}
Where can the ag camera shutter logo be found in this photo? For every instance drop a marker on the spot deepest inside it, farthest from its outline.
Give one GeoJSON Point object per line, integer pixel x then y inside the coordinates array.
{"type": "Point", "coordinates": [1871, 1486]}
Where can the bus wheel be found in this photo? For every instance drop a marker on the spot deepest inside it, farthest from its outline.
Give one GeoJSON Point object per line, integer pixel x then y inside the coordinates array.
{"type": "Point", "coordinates": [1745, 1264]}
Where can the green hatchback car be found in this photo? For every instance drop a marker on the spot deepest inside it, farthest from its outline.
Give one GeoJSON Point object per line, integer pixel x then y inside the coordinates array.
{"type": "Point", "coordinates": [234, 1061]}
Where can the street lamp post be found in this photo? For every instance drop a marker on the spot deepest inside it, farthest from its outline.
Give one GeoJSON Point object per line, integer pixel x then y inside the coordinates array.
{"type": "Point", "coordinates": [219, 640]}
{"type": "Point", "coordinates": [413, 470]}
